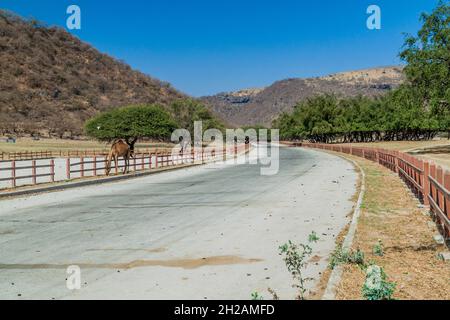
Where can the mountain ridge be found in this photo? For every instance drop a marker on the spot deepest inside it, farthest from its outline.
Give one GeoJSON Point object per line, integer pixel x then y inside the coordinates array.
{"type": "Point", "coordinates": [263, 105]}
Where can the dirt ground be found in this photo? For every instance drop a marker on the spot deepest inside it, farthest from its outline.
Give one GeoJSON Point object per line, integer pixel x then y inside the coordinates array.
{"type": "Point", "coordinates": [404, 146]}
{"type": "Point", "coordinates": [391, 214]}
{"type": "Point", "coordinates": [28, 144]}
{"type": "Point", "coordinates": [439, 154]}
{"type": "Point", "coordinates": [435, 150]}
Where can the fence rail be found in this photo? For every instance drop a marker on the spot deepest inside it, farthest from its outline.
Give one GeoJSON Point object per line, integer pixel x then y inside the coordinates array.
{"type": "Point", "coordinates": [49, 169]}
{"type": "Point", "coordinates": [30, 155]}
{"type": "Point", "coordinates": [14, 168]}
{"type": "Point", "coordinates": [429, 182]}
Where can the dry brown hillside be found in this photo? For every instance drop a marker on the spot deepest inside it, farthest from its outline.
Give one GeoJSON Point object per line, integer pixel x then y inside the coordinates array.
{"type": "Point", "coordinates": [261, 106]}
{"type": "Point", "coordinates": [51, 82]}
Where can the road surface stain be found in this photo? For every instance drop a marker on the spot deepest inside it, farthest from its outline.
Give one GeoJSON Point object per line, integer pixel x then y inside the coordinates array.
{"type": "Point", "coordinates": [156, 250]}
{"type": "Point", "coordinates": [315, 259]}
{"type": "Point", "coordinates": [175, 263]}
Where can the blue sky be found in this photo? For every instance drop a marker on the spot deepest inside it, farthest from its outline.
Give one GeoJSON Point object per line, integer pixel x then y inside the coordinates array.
{"type": "Point", "coordinates": [208, 46]}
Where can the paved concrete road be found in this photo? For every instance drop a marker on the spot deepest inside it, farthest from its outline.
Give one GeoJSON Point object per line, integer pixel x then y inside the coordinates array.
{"type": "Point", "coordinates": [209, 232]}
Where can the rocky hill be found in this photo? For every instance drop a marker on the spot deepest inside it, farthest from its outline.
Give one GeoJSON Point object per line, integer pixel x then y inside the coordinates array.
{"type": "Point", "coordinates": [261, 106]}
{"type": "Point", "coordinates": [51, 82]}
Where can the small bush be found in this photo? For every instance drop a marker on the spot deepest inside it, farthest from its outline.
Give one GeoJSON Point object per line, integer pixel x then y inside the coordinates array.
{"type": "Point", "coordinates": [341, 256]}
{"type": "Point", "coordinates": [295, 258]}
{"type": "Point", "coordinates": [256, 296]}
{"type": "Point", "coordinates": [378, 249]}
{"type": "Point", "coordinates": [313, 237]}
{"type": "Point", "coordinates": [376, 287]}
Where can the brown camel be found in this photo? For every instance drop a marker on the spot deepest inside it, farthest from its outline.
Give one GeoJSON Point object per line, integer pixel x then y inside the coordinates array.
{"type": "Point", "coordinates": [119, 149]}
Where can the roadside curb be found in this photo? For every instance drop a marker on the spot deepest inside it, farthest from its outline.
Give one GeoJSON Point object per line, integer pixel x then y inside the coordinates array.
{"type": "Point", "coordinates": [336, 274]}
{"type": "Point", "coordinates": [77, 184]}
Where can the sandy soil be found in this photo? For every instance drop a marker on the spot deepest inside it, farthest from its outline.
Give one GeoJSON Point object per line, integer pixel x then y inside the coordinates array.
{"type": "Point", "coordinates": [390, 213]}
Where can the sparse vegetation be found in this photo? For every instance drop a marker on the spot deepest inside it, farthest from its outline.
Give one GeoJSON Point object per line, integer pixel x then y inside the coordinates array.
{"type": "Point", "coordinates": [376, 286]}
{"type": "Point", "coordinates": [378, 248]}
{"type": "Point", "coordinates": [391, 214]}
{"type": "Point", "coordinates": [313, 237]}
{"type": "Point", "coordinates": [256, 296]}
{"type": "Point", "coordinates": [341, 256]}
{"type": "Point", "coordinates": [295, 258]}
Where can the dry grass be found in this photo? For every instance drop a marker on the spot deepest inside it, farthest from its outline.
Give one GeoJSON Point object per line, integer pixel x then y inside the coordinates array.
{"type": "Point", "coordinates": [442, 158]}
{"type": "Point", "coordinates": [404, 146]}
{"type": "Point", "coordinates": [390, 213]}
{"type": "Point", "coordinates": [27, 144]}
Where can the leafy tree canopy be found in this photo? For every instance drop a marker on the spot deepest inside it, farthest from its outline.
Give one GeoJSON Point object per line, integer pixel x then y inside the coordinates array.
{"type": "Point", "coordinates": [187, 111]}
{"type": "Point", "coordinates": [132, 123]}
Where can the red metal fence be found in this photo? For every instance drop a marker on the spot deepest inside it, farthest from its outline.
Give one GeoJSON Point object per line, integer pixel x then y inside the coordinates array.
{"type": "Point", "coordinates": [428, 181]}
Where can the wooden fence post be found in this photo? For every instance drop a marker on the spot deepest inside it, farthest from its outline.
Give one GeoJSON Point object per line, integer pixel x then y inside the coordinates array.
{"type": "Point", "coordinates": [447, 200]}
{"type": "Point", "coordinates": [68, 168]}
{"type": "Point", "coordinates": [432, 187]}
{"type": "Point", "coordinates": [426, 182]}
{"type": "Point", "coordinates": [95, 165]}
{"type": "Point", "coordinates": [396, 162]}
{"type": "Point", "coordinates": [440, 180]}
{"type": "Point", "coordinates": [33, 171]}
{"type": "Point", "coordinates": [13, 173]}
{"type": "Point", "coordinates": [82, 166]}
{"type": "Point", "coordinates": [52, 170]}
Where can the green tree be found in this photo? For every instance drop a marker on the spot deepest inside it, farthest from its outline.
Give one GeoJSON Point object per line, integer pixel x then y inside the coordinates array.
{"type": "Point", "coordinates": [428, 63]}
{"type": "Point", "coordinates": [187, 111]}
{"type": "Point", "coordinates": [132, 123]}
